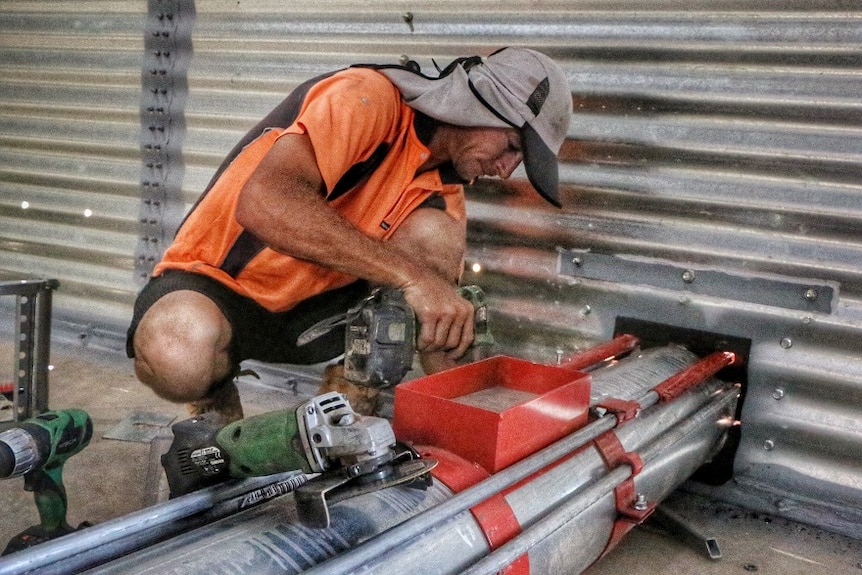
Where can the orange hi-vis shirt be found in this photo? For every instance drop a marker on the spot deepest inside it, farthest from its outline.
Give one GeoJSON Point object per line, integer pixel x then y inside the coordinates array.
{"type": "Point", "coordinates": [357, 123]}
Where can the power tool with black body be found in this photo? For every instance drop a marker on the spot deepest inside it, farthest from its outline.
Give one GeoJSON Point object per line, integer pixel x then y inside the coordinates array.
{"type": "Point", "coordinates": [352, 454]}
{"type": "Point", "coordinates": [37, 449]}
{"type": "Point", "coordinates": [381, 331]}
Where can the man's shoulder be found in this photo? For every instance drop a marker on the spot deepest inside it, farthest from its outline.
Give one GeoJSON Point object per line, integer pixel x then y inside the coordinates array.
{"type": "Point", "coordinates": [362, 91]}
{"type": "Point", "coordinates": [367, 78]}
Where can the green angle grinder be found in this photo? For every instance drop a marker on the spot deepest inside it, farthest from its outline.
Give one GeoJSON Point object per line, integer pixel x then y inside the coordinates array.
{"type": "Point", "coordinates": [37, 449]}
{"type": "Point", "coordinates": [350, 454]}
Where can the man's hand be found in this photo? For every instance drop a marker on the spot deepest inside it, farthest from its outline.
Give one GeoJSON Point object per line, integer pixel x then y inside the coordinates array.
{"type": "Point", "coordinates": [285, 193]}
{"type": "Point", "coordinates": [445, 318]}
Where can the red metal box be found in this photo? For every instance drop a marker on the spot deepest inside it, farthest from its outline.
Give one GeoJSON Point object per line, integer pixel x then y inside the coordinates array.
{"type": "Point", "coordinates": [493, 412]}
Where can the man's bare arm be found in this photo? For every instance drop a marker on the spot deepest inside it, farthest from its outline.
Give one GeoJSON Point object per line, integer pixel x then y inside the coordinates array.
{"type": "Point", "coordinates": [283, 205]}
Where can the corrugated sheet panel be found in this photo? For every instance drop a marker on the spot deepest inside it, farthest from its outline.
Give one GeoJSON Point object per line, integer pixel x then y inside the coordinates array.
{"type": "Point", "coordinates": [69, 152]}
{"type": "Point", "coordinates": [714, 143]}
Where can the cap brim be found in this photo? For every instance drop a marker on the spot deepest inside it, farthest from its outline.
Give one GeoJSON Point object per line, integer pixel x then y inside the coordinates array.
{"type": "Point", "coordinates": [541, 166]}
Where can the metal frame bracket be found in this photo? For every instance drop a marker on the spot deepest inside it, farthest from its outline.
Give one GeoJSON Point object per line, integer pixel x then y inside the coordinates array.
{"type": "Point", "coordinates": [777, 291]}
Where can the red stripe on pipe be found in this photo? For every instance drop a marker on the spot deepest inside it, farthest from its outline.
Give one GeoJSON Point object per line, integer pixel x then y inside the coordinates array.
{"type": "Point", "coordinates": [498, 522]}
{"type": "Point", "coordinates": [494, 515]}
{"type": "Point", "coordinates": [629, 514]}
{"type": "Point", "coordinates": [675, 385]}
{"type": "Point", "coordinates": [618, 346]}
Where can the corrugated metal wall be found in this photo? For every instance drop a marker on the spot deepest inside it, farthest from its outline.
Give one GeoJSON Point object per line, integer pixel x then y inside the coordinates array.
{"type": "Point", "coordinates": [712, 182]}
{"type": "Point", "coordinates": [70, 90]}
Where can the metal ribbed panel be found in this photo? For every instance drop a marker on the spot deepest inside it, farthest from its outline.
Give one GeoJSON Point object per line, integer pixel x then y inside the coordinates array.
{"type": "Point", "coordinates": [708, 135]}
{"type": "Point", "coordinates": [69, 153]}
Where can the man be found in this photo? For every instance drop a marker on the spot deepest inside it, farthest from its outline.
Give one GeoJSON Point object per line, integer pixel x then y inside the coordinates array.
{"type": "Point", "coordinates": [356, 179]}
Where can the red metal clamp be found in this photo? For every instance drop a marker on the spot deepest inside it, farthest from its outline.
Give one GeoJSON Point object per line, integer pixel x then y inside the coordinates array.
{"type": "Point", "coordinates": [633, 509]}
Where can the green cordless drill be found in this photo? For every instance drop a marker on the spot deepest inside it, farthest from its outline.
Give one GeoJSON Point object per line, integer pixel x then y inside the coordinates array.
{"type": "Point", "coordinates": [37, 449]}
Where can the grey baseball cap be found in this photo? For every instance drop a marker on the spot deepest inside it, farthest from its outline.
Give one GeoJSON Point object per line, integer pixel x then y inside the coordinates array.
{"type": "Point", "coordinates": [513, 87]}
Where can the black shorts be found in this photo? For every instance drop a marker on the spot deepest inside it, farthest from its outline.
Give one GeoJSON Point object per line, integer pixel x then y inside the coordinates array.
{"type": "Point", "coordinates": [257, 332]}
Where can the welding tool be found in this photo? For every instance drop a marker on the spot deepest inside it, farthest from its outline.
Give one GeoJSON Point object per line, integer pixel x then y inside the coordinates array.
{"type": "Point", "coordinates": [381, 333]}
{"type": "Point", "coordinates": [352, 454]}
{"type": "Point", "coordinates": [37, 449]}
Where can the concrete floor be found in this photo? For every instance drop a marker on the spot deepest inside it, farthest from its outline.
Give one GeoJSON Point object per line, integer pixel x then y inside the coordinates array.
{"type": "Point", "coordinates": [113, 477]}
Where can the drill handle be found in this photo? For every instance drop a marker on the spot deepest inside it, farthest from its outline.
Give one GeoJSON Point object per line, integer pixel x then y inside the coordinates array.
{"type": "Point", "coordinates": [50, 497]}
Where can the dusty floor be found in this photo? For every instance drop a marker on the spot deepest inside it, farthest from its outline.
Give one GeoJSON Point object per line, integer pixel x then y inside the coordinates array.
{"type": "Point", "coordinates": [113, 477]}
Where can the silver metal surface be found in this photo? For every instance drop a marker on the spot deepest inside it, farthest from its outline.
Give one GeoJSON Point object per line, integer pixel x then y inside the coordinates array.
{"type": "Point", "coordinates": [99, 543]}
{"type": "Point", "coordinates": [32, 344]}
{"type": "Point", "coordinates": [813, 296]}
{"type": "Point", "coordinates": [675, 438]}
{"type": "Point", "coordinates": [709, 134]}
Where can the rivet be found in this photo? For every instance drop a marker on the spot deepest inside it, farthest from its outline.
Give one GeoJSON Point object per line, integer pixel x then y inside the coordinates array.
{"type": "Point", "coordinates": [577, 262]}
{"type": "Point", "coordinates": [786, 342]}
{"type": "Point", "coordinates": [811, 294]}
{"type": "Point", "coordinates": [778, 393]}
{"type": "Point", "coordinates": [688, 276]}
{"type": "Point", "coordinates": [768, 445]}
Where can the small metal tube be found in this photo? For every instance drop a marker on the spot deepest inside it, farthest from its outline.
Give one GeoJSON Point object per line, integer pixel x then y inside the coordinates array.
{"type": "Point", "coordinates": [90, 546]}
{"type": "Point", "coordinates": [697, 373]}
{"type": "Point", "coordinates": [568, 511]}
{"type": "Point", "coordinates": [618, 346]}
{"type": "Point", "coordinates": [418, 524]}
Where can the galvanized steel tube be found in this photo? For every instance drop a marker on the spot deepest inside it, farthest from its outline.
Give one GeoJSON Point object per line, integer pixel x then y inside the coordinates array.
{"type": "Point", "coordinates": [269, 540]}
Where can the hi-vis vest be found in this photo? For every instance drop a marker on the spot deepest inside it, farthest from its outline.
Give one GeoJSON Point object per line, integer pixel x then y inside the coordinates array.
{"type": "Point", "coordinates": [367, 151]}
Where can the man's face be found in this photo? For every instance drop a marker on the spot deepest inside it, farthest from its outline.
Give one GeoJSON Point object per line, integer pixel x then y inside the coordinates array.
{"type": "Point", "coordinates": [494, 152]}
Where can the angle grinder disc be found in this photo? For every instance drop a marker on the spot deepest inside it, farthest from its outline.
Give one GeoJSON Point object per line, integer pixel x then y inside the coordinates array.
{"type": "Point", "coordinates": [407, 473]}
{"type": "Point", "coordinates": [314, 497]}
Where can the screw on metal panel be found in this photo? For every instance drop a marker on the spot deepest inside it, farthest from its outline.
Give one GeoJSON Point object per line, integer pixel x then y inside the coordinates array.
{"type": "Point", "coordinates": [688, 276]}
{"type": "Point", "coordinates": [811, 294]}
{"type": "Point", "coordinates": [768, 445]}
{"type": "Point", "coordinates": [786, 342]}
{"type": "Point", "coordinates": [586, 310]}
{"type": "Point", "coordinates": [640, 503]}
{"type": "Point", "coordinates": [577, 262]}
{"type": "Point", "coordinates": [778, 393]}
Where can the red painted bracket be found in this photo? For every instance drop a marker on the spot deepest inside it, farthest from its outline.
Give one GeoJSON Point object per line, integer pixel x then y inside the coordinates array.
{"type": "Point", "coordinates": [698, 372]}
{"type": "Point", "coordinates": [631, 511]}
{"type": "Point", "coordinates": [624, 409]}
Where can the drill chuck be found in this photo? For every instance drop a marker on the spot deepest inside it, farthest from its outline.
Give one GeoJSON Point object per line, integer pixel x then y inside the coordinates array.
{"type": "Point", "coordinates": [19, 453]}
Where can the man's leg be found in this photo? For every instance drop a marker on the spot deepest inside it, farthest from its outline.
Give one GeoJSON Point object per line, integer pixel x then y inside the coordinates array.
{"type": "Point", "coordinates": [181, 346]}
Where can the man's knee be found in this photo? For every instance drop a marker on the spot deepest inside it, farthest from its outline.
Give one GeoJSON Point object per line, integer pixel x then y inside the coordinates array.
{"type": "Point", "coordinates": [182, 346]}
{"type": "Point", "coordinates": [436, 238]}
